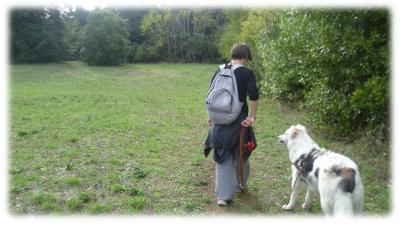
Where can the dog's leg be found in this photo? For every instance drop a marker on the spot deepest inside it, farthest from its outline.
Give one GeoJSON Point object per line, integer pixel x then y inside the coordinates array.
{"type": "Point", "coordinates": [295, 190]}
{"type": "Point", "coordinates": [308, 199]}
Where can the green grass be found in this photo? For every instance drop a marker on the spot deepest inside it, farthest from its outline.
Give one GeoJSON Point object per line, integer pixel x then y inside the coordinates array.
{"type": "Point", "coordinates": [72, 181]}
{"type": "Point", "coordinates": [129, 140]}
{"type": "Point", "coordinates": [135, 203]}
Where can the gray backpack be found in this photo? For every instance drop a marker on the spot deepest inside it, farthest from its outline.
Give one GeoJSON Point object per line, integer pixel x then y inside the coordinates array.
{"type": "Point", "coordinates": [222, 101]}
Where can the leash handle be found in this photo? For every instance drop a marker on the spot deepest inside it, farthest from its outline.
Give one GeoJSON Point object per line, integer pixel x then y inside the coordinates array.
{"type": "Point", "coordinates": [241, 154]}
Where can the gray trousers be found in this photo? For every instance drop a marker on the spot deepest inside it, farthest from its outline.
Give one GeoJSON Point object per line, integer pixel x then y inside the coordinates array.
{"type": "Point", "coordinates": [227, 179]}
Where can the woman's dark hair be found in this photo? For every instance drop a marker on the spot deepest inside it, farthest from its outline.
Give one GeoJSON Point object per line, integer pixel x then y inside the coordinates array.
{"type": "Point", "coordinates": [241, 51]}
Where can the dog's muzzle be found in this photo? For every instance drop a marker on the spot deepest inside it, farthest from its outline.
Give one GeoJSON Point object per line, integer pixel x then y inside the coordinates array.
{"type": "Point", "coordinates": [281, 141]}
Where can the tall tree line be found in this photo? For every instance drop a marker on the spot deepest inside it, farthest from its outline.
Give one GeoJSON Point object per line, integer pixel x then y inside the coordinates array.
{"type": "Point", "coordinates": [113, 36]}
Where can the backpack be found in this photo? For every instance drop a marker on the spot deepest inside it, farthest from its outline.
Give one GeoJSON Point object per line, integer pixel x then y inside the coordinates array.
{"type": "Point", "coordinates": [222, 101]}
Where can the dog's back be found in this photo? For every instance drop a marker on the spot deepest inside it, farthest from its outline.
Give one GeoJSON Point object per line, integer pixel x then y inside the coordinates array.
{"type": "Point", "coordinates": [340, 186]}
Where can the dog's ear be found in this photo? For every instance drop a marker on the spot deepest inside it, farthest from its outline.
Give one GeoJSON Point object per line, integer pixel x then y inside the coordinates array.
{"type": "Point", "coordinates": [294, 133]}
{"type": "Point", "coordinates": [301, 127]}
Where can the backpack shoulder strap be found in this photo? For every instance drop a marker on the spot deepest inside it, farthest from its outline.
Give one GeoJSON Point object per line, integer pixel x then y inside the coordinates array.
{"type": "Point", "coordinates": [234, 67]}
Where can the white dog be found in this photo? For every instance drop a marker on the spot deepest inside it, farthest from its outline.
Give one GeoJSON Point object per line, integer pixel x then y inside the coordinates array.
{"type": "Point", "coordinates": [335, 177]}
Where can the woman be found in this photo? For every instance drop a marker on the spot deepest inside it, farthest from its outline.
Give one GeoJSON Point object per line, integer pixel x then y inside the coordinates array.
{"type": "Point", "coordinates": [225, 138]}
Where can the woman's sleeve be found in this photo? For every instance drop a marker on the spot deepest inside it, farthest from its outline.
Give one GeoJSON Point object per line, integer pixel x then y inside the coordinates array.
{"type": "Point", "coordinates": [252, 89]}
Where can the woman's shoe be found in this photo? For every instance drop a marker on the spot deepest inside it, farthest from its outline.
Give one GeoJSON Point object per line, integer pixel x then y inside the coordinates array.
{"type": "Point", "coordinates": [222, 203]}
{"type": "Point", "coordinates": [241, 189]}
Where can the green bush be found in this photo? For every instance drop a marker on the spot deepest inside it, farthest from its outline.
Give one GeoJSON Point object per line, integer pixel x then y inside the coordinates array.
{"type": "Point", "coordinates": [370, 101]}
{"type": "Point", "coordinates": [331, 111]}
{"type": "Point", "coordinates": [288, 50]}
{"type": "Point", "coordinates": [105, 39]}
{"type": "Point", "coordinates": [334, 62]}
{"type": "Point", "coordinates": [354, 71]}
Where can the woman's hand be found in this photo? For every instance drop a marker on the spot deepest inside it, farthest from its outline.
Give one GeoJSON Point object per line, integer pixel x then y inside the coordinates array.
{"type": "Point", "coordinates": [248, 121]}
{"type": "Point", "coordinates": [209, 122]}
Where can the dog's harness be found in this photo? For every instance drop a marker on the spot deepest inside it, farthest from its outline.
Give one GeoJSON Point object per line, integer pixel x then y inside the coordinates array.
{"type": "Point", "coordinates": [303, 162]}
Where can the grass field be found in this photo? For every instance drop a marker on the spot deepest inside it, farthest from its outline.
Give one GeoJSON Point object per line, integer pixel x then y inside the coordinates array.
{"type": "Point", "coordinates": [129, 140]}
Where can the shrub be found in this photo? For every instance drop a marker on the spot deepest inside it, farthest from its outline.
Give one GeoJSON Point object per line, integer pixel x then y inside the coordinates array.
{"type": "Point", "coordinates": [334, 62]}
{"type": "Point", "coordinates": [370, 103]}
{"type": "Point", "coordinates": [354, 72]}
{"type": "Point", "coordinates": [331, 111]}
{"type": "Point", "coordinates": [105, 39]}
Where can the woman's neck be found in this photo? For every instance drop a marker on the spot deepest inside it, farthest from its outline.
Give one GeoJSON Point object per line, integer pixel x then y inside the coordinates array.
{"type": "Point", "coordinates": [239, 61]}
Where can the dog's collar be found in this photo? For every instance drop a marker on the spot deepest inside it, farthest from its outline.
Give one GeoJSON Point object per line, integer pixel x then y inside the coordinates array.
{"type": "Point", "coordinates": [300, 162]}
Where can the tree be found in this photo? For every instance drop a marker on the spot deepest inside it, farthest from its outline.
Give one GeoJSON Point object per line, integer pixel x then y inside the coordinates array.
{"type": "Point", "coordinates": [232, 28]}
{"type": "Point", "coordinates": [37, 36]}
{"type": "Point", "coordinates": [105, 39]}
{"type": "Point", "coordinates": [133, 18]}
{"type": "Point", "coordinates": [71, 38]}
{"type": "Point", "coordinates": [74, 20]}
{"type": "Point", "coordinates": [183, 35]}
{"type": "Point", "coordinates": [80, 14]}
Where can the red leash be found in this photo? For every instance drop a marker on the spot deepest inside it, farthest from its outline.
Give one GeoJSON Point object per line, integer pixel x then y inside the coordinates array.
{"type": "Point", "coordinates": [241, 154]}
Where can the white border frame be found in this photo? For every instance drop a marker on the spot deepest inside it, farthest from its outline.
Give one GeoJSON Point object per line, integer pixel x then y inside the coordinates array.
{"type": "Point", "coordinates": [4, 201]}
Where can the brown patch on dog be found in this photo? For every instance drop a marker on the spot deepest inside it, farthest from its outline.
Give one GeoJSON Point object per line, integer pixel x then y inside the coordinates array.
{"type": "Point", "coordinates": [348, 181]}
{"type": "Point", "coordinates": [294, 133]}
{"type": "Point", "coordinates": [347, 172]}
